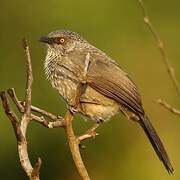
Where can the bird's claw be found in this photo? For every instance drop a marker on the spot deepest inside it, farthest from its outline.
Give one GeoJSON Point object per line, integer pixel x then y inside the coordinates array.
{"type": "Point", "coordinates": [73, 109]}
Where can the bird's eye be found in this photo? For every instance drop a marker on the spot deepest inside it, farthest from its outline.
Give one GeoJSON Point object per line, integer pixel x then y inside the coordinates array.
{"type": "Point", "coordinates": [61, 40]}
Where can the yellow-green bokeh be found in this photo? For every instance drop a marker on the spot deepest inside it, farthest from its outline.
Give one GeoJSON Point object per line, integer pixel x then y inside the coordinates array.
{"type": "Point", "coordinates": [122, 151]}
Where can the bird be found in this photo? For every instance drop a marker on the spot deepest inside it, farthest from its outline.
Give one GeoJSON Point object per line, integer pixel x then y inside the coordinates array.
{"type": "Point", "coordinates": [106, 89]}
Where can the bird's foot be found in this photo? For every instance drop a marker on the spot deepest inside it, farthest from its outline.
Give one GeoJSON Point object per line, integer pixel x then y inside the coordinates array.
{"type": "Point", "coordinates": [72, 109]}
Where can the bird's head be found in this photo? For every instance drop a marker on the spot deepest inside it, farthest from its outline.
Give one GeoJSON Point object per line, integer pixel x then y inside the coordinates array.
{"type": "Point", "coordinates": [62, 41]}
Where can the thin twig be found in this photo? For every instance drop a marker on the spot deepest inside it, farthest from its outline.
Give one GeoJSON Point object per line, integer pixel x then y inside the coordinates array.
{"type": "Point", "coordinates": [20, 105]}
{"type": "Point", "coordinates": [91, 133]}
{"type": "Point", "coordinates": [45, 113]}
{"type": "Point", "coordinates": [28, 94]}
{"type": "Point", "coordinates": [12, 116]}
{"type": "Point", "coordinates": [168, 107]}
{"type": "Point", "coordinates": [87, 135]}
{"type": "Point", "coordinates": [48, 124]}
{"type": "Point", "coordinates": [14, 98]}
{"type": "Point", "coordinates": [22, 145]}
{"type": "Point", "coordinates": [161, 47]}
{"type": "Point", "coordinates": [56, 122]}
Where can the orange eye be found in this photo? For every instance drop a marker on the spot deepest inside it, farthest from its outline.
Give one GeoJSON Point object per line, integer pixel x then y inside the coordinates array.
{"type": "Point", "coordinates": [62, 40]}
{"type": "Point", "coordinates": [59, 40]}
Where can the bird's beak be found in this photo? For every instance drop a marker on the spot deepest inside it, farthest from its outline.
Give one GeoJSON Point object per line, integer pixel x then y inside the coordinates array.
{"type": "Point", "coordinates": [46, 39]}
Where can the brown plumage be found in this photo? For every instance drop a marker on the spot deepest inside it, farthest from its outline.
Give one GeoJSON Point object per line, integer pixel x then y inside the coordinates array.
{"type": "Point", "coordinates": [108, 88]}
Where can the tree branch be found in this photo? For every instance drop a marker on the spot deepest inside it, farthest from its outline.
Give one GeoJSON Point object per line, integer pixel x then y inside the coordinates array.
{"type": "Point", "coordinates": [12, 116]}
{"type": "Point", "coordinates": [165, 58]}
{"type": "Point", "coordinates": [74, 146]}
{"type": "Point", "coordinates": [20, 127]}
{"type": "Point", "coordinates": [26, 109]}
{"type": "Point", "coordinates": [72, 140]}
{"type": "Point", "coordinates": [161, 47]}
{"type": "Point", "coordinates": [168, 107]}
{"type": "Point", "coordinates": [22, 145]}
{"type": "Point", "coordinates": [91, 133]}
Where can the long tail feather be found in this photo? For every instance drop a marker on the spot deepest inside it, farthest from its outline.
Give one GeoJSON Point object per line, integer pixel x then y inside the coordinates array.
{"type": "Point", "coordinates": [156, 142]}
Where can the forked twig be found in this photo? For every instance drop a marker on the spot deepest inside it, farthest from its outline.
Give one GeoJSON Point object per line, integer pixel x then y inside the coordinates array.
{"type": "Point", "coordinates": [56, 121]}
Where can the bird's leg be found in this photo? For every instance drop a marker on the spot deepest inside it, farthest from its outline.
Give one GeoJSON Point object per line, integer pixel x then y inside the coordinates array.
{"type": "Point", "coordinates": [73, 106]}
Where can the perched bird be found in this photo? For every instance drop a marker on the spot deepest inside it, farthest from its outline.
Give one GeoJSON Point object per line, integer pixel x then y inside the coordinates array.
{"type": "Point", "coordinates": [107, 89]}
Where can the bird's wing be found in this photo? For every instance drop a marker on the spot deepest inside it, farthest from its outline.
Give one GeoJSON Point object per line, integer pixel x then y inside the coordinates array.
{"type": "Point", "coordinates": [107, 78]}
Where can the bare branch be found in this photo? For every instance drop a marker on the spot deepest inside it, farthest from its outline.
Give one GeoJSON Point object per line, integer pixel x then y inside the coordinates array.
{"type": "Point", "coordinates": [12, 116]}
{"type": "Point", "coordinates": [74, 146]}
{"type": "Point", "coordinates": [87, 135]}
{"type": "Point", "coordinates": [21, 126]}
{"type": "Point", "coordinates": [28, 94]}
{"type": "Point", "coordinates": [14, 98]}
{"type": "Point", "coordinates": [161, 47]}
{"type": "Point", "coordinates": [22, 146]}
{"type": "Point", "coordinates": [57, 120]}
{"type": "Point", "coordinates": [91, 133]}
{"type": "Point", "coordinates": [72, 140]}
{"type": "Point", "coordinates": [168, 107]}
{"type": "Point", "coordinates": [45, 113]}
{"type": "Point", "coordinates": [21, 140]}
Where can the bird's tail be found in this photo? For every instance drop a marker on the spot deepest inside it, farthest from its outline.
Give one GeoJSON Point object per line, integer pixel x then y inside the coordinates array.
{"type": "Point", "coordinates": [156, 142]}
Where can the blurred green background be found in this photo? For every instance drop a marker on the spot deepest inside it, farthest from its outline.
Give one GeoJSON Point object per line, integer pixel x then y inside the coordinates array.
{"type": "Point", "coordinates": [121, 151]}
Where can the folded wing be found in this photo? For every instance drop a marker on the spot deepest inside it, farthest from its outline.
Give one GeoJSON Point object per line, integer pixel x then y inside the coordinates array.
{"type": "Point", "coordinates": [107, 78]}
